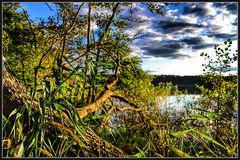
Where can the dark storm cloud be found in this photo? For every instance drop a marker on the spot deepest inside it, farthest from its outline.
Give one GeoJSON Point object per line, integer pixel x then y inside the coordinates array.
{"type": "Point", "coordinates": [219, 5]}
{"type": "Point", "coordinates": [202, 46]}
{"type": "Point", "coordinates": [235, 23]}
{"type": "Point", "coordinates": [159, 51]}
{"type": "Point", "coordinates": [231, 7]}
{"type": "Point", "coordinates": [180, 33]}
{"type": "Point", "coordinates": [198, 10]}
{"type": "Point", "coordinates": [197, 43]}
{"type": "Point", "coordinates": [171, 26]}
{"type": "Point", "coordinates": [223, 36]}
{"type": "Point", "coordinates": [173, 44]}
{"type": "Point", "coordinates": [166, 49]}
{"type": "Point", "coordinates": [163, 52]}
{"type": "Point", "coordinates": [151, 34]}
{"type": "Point", "coordinates": [193, 40]}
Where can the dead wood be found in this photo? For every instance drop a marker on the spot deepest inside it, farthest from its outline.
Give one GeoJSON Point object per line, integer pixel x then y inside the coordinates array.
{"type": "Point", "coordinates": [15, 96]}
{"type": "Point", "coordinates": [14, 93]}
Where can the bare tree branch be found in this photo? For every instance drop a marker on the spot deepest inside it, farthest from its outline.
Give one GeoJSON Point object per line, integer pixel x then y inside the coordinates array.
{"type": "Point", "coordinates": [94, 106]}
{"type": "Point", "coordinates": [125, 100]}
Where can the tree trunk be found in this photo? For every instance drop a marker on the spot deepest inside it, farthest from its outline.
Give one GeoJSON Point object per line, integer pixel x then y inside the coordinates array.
{"type": "Point", "coordinates": [15, 96]}
{"type": "Point", "coordinates": [14, 93]}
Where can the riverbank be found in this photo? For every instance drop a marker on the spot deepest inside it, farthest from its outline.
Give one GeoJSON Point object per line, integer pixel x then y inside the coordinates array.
{"type": "Point", "coordinates": [186, 83]}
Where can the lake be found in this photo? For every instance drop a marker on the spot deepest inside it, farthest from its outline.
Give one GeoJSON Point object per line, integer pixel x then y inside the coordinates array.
{"type": "Point", "coordinates": [175, 103]}
{"type": "Point", "coordinates": [172, 104]}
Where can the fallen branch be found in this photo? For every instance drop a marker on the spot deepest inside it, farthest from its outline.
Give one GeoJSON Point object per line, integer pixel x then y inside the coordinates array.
{"type": "Point", "coordinates": [128, 108]}
{"type": "Point", "coordinates": [92, 143]}
{"type": "Point", "coordinates": [14, 93]}
{"type": "Point", "coordinates": [15, 96]}
{"type": "Point", "coordinates": [94, 106]}
{"type": "Point", "coordinates": [121, 98]}
{"type": "Point", "coordinates": [61, 127]}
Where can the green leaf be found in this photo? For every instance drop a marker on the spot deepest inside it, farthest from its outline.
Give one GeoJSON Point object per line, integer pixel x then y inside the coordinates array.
{"type": "Point", "coordinates": [6, 122]}
{"type": "Point", "coordinates": [87, 87]}
{"type": "Point", "coordinates": [11, 151]}
{"type": "Point", "coordinates": [176, 134]}
{"type": "Point", "coordinates": [13, 112]}
{"type": "Point", "coordinates": [96, 117]}
{"type": "Point", "coordinates": [140, 154]}
{"type": "Point", "coordinates": [210, 139]}
{"type": "Point", "coordinates": [48, 85]}
{"type": "Point", "coordinates": [202, 117]}
{"type": "Point", "coordinates": [205, 111]}
{"type": "Point", "coordinates": [29, 140]}
{"type": "Point", "coordinates": [68, 146]}
{"type": "Point", "coordinates": [45, 152]}
{"type": "Point", "coordinates": [93, 118]}
{"type": "Point", "coordinates": [21, 150]}
{"type": "Point", "coordinates": [179, 152]}
{"type": "Point", "coordinates": [18, 116]}
{"type": "Point", "coordinates": [63, 90]}
{"type": "Point", "coordinates": [59, 107]}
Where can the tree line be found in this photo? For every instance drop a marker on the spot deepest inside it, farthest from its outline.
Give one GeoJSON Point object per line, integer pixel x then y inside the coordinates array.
{"type": "Point", "coordinates": [187, 83]}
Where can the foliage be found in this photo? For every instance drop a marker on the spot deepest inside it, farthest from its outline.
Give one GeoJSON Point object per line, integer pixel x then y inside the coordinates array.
{"type": "Point", "coordinates": [24, 43]}
{"type": "Point", "coordinates": [88, 97]}
{"type": "Point", "coordinates": [221, 97]}
{"type": "Point", "coordinates": [218, 102]}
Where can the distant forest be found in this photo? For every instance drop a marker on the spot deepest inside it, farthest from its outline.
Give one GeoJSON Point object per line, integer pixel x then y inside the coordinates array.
{"type": "Point", "coordinates": [185, 82]}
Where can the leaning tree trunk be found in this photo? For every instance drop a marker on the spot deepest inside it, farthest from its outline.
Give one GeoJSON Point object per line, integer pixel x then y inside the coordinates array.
{"type": "Point", "coordinates": [15, 96]}
{"type": "Point", "coordinates": [14, 93]}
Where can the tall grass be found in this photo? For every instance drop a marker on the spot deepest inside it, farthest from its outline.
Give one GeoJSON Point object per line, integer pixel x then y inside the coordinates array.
{"type": "Point", "coordinates": [156, 134]}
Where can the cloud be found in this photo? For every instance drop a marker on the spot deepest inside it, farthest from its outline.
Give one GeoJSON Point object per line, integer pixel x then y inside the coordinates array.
{"type": "Point", "coordinates": [198, 26]}
{"type": "Point", "coordinates": [195, 9]}
{"type": "Point", "coordinates": [84, 10]}
{"type": "Point", "coordinates": [193, 40]}
{"type": "Point", "coordinates": [223, 36]}
{"type": "Point", "coordinates": [164, 52]}
{"type": "Point", "coordinates": [197, 43]}
{"type": "Point", "coordinates": [171, 26]}
{"type": "Point", "coordinates": [166, 49]}
{"type": "Point", "coordinates": [94, 26]}
{"type": "Point", "coordinates": [231, 7]}
{"type": "Point", "coordinates": [203, 46]}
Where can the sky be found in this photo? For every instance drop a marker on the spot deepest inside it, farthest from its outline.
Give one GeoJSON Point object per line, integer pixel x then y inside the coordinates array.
{"type": "Point", "coordinates": [172, 43]}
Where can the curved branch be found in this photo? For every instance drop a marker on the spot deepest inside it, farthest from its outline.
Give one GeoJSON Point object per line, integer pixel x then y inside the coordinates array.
{"type": "Point", "coordinates": [128, 108]}
{"type": "Point", "coordinates": [94, 106]}
{"type": "Point", "coordinates": [121, 98]}
{"type": "Point", "coordinates": [59, 57]}
{"type": "Point", "coordinates": [61, 127]}
{"type": "Point", "coordinates": [14, 95]}
{"type": "Point", "coordinates": [74, 21]}
{"type": "Point", "coordinates": [109, 23]}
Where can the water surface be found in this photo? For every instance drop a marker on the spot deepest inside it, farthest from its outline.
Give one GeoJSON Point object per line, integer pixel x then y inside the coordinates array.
{"type": "Point", "coordinates": [176, 103]}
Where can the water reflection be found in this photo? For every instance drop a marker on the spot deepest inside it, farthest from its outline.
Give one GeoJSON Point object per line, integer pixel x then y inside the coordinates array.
{"type": "Point", "coordinates": [175, 103]}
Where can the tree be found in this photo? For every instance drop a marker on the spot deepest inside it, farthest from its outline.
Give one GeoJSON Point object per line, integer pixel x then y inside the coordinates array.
{"type": "Point", "coordinates": [71, 72]}
{"type": "Point", "coordinates": [221, 94]}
